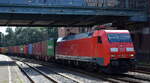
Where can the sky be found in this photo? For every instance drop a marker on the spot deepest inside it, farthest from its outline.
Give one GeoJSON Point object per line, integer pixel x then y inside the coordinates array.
{"type": "Point", "coordinates": [3, 29]}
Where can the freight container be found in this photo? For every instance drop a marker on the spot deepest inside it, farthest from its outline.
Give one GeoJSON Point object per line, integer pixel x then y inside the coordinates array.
{"type": "Point", "coordinates": [5, 50]}
{"type": "Point", "coordinates": [17, 49]}
{"type": "Point", "coordinates": [33, 48]}
{"type": "Point", "coordinates": [39, 48]}
{"type": "Point", "coordinates": [2, 50]}
{"type": "Point", "coordinates": [51, 47]}
{"type": "Point", "coordinates": [25, 49]}
{"type": "Point", "coordinates": [30, 49]}
{"type": "Point", "coordinates": [13, 49]}
{"type": "Point", "coordinates": [10, 50]}
{"type": "Point", "coordinates": [21, 51]}
{"type": "Point", "coordinates": [44, 48]}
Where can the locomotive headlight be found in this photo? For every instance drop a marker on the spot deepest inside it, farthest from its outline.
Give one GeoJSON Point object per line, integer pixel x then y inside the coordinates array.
{"type": "Point", "coordinates": [131, 55]}
{"type": "Point", "coordinates": [114, 49]}
{"type": "Point", "coordinates": [113, 55]}
{"type": "Point", "coordinates": [129, 49]}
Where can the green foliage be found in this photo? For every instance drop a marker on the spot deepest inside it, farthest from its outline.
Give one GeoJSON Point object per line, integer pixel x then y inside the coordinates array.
{"type": "Point", "coordinates": [1, 39]}
{"type": "Point", "coordinates": [26, 35]}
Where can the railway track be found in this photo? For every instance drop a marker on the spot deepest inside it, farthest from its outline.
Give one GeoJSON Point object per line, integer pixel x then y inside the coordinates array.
{"type": "Point", "coordinates": [56, 76]}
{"type": "Point", "coordinates": [136, 75]}
{"type": "Point", "coordinates": [35, 76]}
{"type": "Point", "coordinates": [143, 69]}
{"type": "Point", "coordinates": [69, 75]}
{"type": "Point", "coordinates": [44, 77]}
{"type": "Point", "coordinates": [76, 76]}
{"type": "Point", "coordinates": [69, 69]}
{"type": "Point", "coordinates": [70, 79]}
{"type": "Point", "coordinates": [122, 78]}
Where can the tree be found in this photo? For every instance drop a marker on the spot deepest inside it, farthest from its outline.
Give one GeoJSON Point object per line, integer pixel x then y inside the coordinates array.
{"type": "Point", "coordinates": [9, 38]}
{"type": "Point", "coordinates": [26, 35]}
{"type": "Point", "coordinates": [1, 39]}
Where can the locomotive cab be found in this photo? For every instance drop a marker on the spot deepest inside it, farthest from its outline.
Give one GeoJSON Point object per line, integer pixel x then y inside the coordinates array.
{"type": "Point", "coordinates": [118, 50]}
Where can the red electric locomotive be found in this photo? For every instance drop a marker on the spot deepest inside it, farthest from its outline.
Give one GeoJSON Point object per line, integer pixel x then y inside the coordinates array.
{"type": "Point", "coordinates": [111, 51]}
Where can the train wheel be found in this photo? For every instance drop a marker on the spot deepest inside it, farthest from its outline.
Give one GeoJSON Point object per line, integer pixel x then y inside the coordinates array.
{"type": "Point", "coordinates": [90, 67]}
{"type": "Point", "coordinates": [58, 61]}
{"type": "Point", "coordinates": [76, 63]}
{"type": "Point", "coordinates": [71, 63]}
{"type": "Point", "coordinates": [109, 70]}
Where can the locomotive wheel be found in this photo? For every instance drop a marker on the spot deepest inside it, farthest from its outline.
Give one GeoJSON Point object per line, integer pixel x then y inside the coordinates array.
{"type": "Point", "coordinates": [106, 70]}
{"type": "Point", "coordinates": [71, 63]}
{"type": "Point", "coordinates": [111, 70]}
{"type": "Point", "coordinates": [76, 63]}
{"type": "Point", "coordinates": [90, 67]}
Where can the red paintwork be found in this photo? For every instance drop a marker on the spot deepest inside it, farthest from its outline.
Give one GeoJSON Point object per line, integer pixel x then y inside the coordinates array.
{"type": "Point", "coordinates": [37, 49]}
{"type": "Point", "coordinates": [25, 49]}
{"type": "Point", "coordinates": [34, 49]}
{"type": "Point", "coordinates": [17, 49]}
{"type": "Point", "coordinates": [89, 47]}
{"type": "Point", "coordinates": [122, 48]}
{"type": "Point", "coordinates": [13, 49]}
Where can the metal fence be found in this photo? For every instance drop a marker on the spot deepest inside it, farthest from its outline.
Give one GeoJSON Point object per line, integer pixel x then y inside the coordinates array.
{"type": "Point", "coordinates": [130, 4]}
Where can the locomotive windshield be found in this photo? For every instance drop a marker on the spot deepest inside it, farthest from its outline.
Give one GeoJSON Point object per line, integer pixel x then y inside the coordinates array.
{"type": "Point", "coordinates": [119, 37]}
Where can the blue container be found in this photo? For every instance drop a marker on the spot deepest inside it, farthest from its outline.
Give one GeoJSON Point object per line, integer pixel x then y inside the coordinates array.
{"type": "Point", "coordinates": [30, 49]}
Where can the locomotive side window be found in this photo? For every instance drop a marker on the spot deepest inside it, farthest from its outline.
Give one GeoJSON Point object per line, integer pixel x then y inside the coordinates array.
{"type": "Point", "coordinates": [99, 39]}
{"type": "Point", "coordinates": [78, 36]}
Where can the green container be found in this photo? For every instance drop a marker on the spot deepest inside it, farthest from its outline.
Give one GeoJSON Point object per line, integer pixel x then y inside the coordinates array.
{"type": "Point", "coordinates": [21, 49]}
{"type": "Point", "coordinates": [51, 49]}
